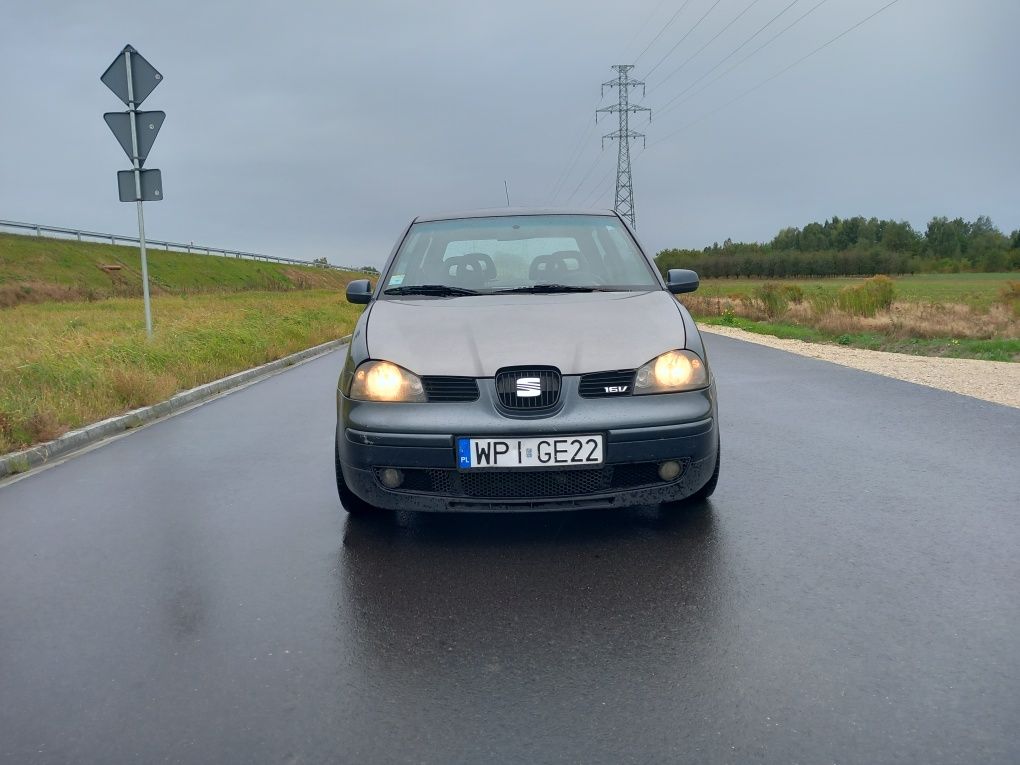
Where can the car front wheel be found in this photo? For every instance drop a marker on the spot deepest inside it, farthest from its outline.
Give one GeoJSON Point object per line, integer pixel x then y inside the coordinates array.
{"type": "Point", "coordinates": [701, 494]}
{"type": "Point", "coordinates": [708, 489]}
{"type": "Point", "coordinates": [351, 502]}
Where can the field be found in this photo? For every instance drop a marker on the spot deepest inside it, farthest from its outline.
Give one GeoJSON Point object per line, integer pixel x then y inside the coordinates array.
{"type": "Point", "coordinates": [66, 364]}
{"type": "Point", "coordinates": [959, 315]}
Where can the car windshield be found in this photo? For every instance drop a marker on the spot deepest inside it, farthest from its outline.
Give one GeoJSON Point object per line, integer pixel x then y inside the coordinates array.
{"type": "Point", "coordinates": [518, 253]}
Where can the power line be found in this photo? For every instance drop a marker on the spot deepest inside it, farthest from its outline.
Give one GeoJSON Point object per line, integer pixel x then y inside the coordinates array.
{"type": "Point", "coordinates": [591, 169]}
{"type": "Point", "coordinates": [595, 191]}
{"type": "Point", "coordinates": [663, 29]}
{"type": "Point", "coordinates": [673, 101]}
{"type": "Point", "coordinates": [579, 148]}
{"type": "Point", "coordinates": [640, 29]}
{"type": "Point", "coordinates": [702, 48]}
{"type": "Point", "coordinates": [678, 42]}
{"type": "Point", "coordinates": [781, 72]}
{"type": "Point", "coordinates": [605, 192]}
{"type": "Point", "coordinates": [558, 186]}
{"type": "Point", "coordinates": [595, 203]}
{"type": "Point", "coordinates": [599, 190]}
{"type": "Point", "coordinates": [733, 52]}
{"type": "Point", "coordinates": [575, 155]}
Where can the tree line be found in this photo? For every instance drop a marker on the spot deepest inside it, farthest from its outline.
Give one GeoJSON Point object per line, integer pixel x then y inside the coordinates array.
{"type": "Point", "coordinates": [858, 246]}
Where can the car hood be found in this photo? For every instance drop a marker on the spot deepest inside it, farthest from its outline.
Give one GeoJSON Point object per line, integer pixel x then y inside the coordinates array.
{"type": "Point", "coordinates": [476, 336]}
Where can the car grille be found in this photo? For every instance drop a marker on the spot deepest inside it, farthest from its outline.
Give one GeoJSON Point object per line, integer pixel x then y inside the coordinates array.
{"type": "Point", "coordinates": [450, 388]}
{"type": "Point", "coordinates": [594, 385]}
{"type": "Point", "coordinates": [530, 484]}
{"type": "Point", "coordinates": [513, 381]}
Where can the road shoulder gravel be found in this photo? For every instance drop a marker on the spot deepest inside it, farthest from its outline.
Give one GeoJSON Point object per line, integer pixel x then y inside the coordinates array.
{"type": "Point", "coordinates": [995, 381]}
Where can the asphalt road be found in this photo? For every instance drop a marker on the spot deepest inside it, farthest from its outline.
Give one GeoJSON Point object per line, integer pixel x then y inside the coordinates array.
{"type": "Point", "coordinates": [192, 593]}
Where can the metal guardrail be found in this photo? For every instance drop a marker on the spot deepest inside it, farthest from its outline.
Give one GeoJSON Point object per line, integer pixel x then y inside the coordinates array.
{"type": "Point", "coordinates": [194, 249]}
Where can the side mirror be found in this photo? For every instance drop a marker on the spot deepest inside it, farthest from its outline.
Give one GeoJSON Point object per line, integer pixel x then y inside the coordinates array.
{"type": "Point", "coordinates": [681, 280]}
{"type": "Point", "coordinates": [359, 291]}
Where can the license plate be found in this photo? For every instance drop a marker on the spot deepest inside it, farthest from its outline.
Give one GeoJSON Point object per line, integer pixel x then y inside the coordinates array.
{"type": "Point", "coordinates": [552, 451]}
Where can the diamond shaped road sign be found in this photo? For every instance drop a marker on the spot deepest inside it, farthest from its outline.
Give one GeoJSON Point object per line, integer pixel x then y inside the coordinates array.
{"type": "Point", "coordinates": [144, 77]}
{"type": "Point", "coordinates": [147, 125]}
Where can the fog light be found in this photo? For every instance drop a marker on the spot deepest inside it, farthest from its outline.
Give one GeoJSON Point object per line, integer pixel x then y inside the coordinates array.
{"type": "Point", "coordinates": [668, 471]}
{"type": "Point", "coordinates": [391, 478]}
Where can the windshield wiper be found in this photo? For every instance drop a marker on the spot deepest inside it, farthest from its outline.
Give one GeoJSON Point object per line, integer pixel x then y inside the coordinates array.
{"type": "Point", "coordinates": [437, 290]}
{"type": "Point", "coordinates": [539, 289]}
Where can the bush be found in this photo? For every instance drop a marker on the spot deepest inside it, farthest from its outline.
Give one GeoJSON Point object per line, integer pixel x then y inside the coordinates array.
{"type": "Point", "coordinates": [793, 293]}
{"type": "Point", "coordinates": [867, 298]}
{"type": "Point", "coordinates": [822, 300]}
{"type": "Point", "coordinates": [1010, 297]}
{"type": "Point", "coordinates": [771, 299]}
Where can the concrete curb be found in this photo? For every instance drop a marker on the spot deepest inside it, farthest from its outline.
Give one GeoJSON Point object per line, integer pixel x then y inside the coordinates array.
{"type": "Point", "coordinates": [19, 462]}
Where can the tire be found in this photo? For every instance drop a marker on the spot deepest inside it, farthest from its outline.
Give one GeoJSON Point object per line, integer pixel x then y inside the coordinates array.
{"type": "Point", "coordinates": [352, 503]}
{"type": "Point", "coordinates": [708, 489]}
{"type": "Point", "coordinates": [700, 495]}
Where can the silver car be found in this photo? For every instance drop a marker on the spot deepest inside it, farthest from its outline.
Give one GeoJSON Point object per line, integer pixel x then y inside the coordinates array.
{"type": "Point", "coordinates": [513, 360]}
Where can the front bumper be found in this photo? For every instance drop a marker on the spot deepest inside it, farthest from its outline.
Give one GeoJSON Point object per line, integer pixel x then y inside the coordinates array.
{"type": "Point", "coordinates": [419, 439]}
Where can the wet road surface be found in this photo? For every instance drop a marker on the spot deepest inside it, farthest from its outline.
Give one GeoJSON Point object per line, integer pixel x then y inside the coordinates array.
{"type": "Point", "coordinates": [191, 593]}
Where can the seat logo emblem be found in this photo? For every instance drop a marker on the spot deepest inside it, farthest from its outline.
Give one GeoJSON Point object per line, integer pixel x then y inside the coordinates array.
{"type": "Point", "coordinates": [528, 387]}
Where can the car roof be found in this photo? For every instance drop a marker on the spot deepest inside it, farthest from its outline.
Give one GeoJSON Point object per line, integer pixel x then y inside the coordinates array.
{"type": "Point", "coordinates": [500, 212]}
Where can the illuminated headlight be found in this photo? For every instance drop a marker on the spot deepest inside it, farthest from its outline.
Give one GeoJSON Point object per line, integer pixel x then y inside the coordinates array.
{"type": "Point", "coordinates": [671, 372]}
{"type": "Point", "coordinates": [384, 381]}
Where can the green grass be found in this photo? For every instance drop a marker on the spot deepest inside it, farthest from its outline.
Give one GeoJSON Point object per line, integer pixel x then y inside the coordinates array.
{"type": "Point", "coordinates": [35, 269]}
{"type": "Point", "coordinates": [72, 340]}
{"type": "Point", "coordinates": [976, 290]}
{"type": "Point", "coordinates": [66, 364]}
{"type": "Point", "coordinates": [995, 349]}
{"type": "Point", "coordinates": [776, 329]}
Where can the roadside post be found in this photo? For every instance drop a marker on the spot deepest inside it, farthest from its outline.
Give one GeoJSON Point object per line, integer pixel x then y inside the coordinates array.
{"type": "Point", "coordinates": [132, 79]}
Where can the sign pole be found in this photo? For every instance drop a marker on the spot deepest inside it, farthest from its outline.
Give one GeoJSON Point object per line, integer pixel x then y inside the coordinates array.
{"type": "Point", "coordinates": [138, 194]}
{"type": "Point", "coordinates": [132, 79]}
{"type": "Point", "coordinates": [145, 271]}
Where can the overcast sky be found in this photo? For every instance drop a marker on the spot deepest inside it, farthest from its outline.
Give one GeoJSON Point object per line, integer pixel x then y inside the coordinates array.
{"type": "Point", "coordinates": [320, 128]}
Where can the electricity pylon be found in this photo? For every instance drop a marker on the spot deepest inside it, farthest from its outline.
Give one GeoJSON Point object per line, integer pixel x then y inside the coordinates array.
{"type": "Point", "coordinates": [624, 204]}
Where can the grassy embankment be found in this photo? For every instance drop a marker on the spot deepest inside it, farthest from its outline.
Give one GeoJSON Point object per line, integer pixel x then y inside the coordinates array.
{"type": "Point", "coordinates": [958, 315]}
{"type": "Point", "coordinates": [72, 335]}
{"type": "Point", "coordinates": [35, 269]}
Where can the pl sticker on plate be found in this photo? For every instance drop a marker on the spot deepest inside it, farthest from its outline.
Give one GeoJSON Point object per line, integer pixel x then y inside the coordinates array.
{"type": "Point", "coordinates": [464, 452]}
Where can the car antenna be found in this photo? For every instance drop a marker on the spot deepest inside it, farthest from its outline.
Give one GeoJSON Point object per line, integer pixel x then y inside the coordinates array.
{"type": "Point", "coordinates": [506, 188]}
